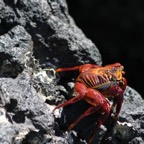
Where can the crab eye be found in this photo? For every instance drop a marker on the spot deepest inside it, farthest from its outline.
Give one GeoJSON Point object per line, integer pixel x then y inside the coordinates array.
{"type": "Point", "coordinates": [118, 75]}
{"type": "Point", "coordinates": [122, 67]}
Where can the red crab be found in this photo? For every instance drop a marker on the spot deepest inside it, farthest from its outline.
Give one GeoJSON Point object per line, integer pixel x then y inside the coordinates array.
{"type": "Point", "coordinates": [95, 84]}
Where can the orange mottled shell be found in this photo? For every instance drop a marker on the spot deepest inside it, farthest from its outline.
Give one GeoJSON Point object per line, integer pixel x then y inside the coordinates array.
{"type": "Point", "coordinates": [92, 80]}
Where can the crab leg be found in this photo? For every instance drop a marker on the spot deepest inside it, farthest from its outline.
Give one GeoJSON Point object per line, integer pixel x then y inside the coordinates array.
{"type": "Point", "coordinates": [95, 98]}
{"type": "Point", "coordinates": [67, 69]}
{"type": "Point", "coordinates": [81, 68]}
{"type": "Point", "coordinates": [117, 92]}
{"type": "Point", "coordinates": [99, 123]}
{"type": "Point", "coordinates": [99, 103]}
{"type": "Point", "coordinates": [118, 101]}
{"type": "Point", "coordinates": [80, 90]}
{"type": "Point", "coordinates": [88, 112]}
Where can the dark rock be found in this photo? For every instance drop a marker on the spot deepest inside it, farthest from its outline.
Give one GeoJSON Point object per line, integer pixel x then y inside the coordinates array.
{"type": "Point", "coordinates": [52, 29]}
{"type": "Point", "coordinates": [15, 51]}
{"type": "Point", "coordinates": [36, 37]}
{"type": "Point", "coordinates": [24, 106]}
{"type": "Point", "coordinates": [16, 43]}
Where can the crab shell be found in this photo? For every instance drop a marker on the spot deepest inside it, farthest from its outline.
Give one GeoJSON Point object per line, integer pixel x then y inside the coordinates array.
{"type": "Point", "coordinates": [102, 77]}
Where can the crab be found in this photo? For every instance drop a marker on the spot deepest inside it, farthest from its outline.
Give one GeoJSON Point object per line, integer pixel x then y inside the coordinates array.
{"type": "Point", "coordinates": [96, 84]}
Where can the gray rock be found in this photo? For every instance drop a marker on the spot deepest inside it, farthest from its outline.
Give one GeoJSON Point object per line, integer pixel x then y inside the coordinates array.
{"type": "Point", "coordinates": [16, 43]}
{"type": "Point", "coordinates": [15, 51]}
{"type": "Point", "coordinates": [36, 35]}
{"type": "Point", "coordinates": [56, 38]}
{"type": "Point", "coordinates": [24, 107]}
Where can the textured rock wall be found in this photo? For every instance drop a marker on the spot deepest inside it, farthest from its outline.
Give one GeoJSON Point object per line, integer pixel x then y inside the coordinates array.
{"type": "Point", "coordinates": [36, 36]}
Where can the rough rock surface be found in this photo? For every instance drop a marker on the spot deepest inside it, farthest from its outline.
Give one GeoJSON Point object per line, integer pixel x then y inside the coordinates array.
{"type": "Point", "coordinates": [36, 37]}
{"type": "Point", "coordinates": [15, 48]}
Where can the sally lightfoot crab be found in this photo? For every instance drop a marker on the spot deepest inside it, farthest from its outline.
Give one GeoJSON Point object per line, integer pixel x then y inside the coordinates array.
{"type": "Point", "coordinates": [95, 84]}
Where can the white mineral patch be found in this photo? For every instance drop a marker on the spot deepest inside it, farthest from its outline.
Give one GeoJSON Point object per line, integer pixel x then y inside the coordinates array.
{"type": "Point", "coordinates": [57, 112]}
{"type": "Point", "coordinates": [27, 58]}
{"type": "Point", "coordinates": [124, 123]}
{"type": "Point", "coordinates": [43, 75]}
{"type": "Point", "coordinates": [22, 134]}
{"type": "Point", "coordinates": [3, 118]}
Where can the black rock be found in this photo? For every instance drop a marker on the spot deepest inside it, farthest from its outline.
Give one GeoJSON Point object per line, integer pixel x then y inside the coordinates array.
{"type": "Point", "coordinates": [37, 37]}
{"type": "Point", "coordinates": [15, 51]}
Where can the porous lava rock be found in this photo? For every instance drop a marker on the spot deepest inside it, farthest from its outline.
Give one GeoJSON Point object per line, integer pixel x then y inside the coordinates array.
{"type": "Point", "coordinates": [37, 36]}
